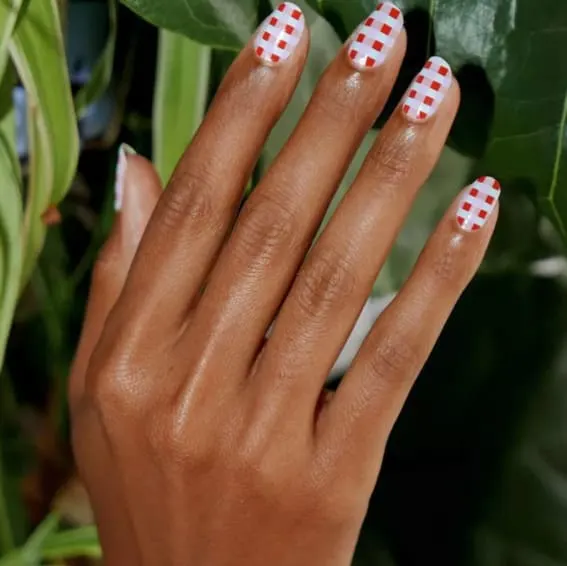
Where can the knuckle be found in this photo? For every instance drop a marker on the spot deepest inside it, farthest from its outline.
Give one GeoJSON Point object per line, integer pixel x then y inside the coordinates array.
{"type": "Point", "coordinates": [327, 280]}
{"type": "Point", "coordinates": [391, 361]}
{"type": "Point", "coordinates": [109, 394]}
{"type": "Point", "coordinates": [188, 198]}
{"type": "Point", "coordinates": [447, 269]}
{"type": "Point", "coordinates": [113, 386]}
{"type": "Point", "coordinates": [391, 161]}
{"type": "Point", "coordinates": [266, 229]}
{"type": "Point", "coordinates": [167, 434]}
{"type": "Point", "coordinates": [335, 101]}
{"type": "Point", "coordinates": [243, 93]}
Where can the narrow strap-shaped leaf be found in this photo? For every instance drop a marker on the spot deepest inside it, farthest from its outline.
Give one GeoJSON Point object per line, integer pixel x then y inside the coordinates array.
{"type": "Point", "coordinates": [180, 97]}
{"type": "Point", "coordinates": [10, 267]}
{"type": "Point", "coordinates": [38, 52]}
{"type": "Point", "coordinates": [10, 15]}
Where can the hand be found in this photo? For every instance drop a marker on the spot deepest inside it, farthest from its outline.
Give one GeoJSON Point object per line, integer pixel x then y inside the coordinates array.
{"type": "Point", "coordinates": [200, 440]}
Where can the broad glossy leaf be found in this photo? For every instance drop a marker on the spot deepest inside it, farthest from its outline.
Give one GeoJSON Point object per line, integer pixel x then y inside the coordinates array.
{"type": "Point", "coordinates": [475, 472]}
{"type": "Point", "coordinates": [516, 43]}
{"type": "Point", "coordinates": [180, 98]}
{"type": "Point", "coordinates": [514, 110]}
{"type": "Point", "coordinates": [218, 23]}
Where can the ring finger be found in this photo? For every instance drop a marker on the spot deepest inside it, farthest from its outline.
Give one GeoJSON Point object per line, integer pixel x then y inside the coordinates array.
{"type": "Point", "coordinates": [337, 277]}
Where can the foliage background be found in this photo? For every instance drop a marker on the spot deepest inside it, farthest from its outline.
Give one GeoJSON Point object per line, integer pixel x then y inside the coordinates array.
{"type": "Point", "coordinates": [476, 470]}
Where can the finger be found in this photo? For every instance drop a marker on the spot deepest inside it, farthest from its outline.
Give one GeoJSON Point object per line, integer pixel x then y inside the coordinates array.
{"type": "Point", "coordinates": [137, 191]}
{"type": "Point", "coordinates": [335, 281]}
{"type": "Point", "coordinates": [369, 400]}
{"type": "Point", "coordinates": [280, 219]}
{"type": "Point", "coordinates": [199, 204]}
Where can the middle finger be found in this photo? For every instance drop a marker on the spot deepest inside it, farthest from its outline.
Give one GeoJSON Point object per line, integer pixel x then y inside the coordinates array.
{"type": "Point", "coordinates": [280, 219]}
{"type": "Point", "coordinates": [337, 277]}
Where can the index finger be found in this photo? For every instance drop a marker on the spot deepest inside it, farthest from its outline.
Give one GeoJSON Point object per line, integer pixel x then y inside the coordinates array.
{"type": "Point", "coordinates": [199, 204]}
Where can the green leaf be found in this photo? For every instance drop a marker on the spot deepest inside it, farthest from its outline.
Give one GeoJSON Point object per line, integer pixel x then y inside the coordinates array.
{"type": "Point", "coordinates": [218, 23]}
{"type": "Point", "coordinates": [10, 13]}
{"type": "Point", "coordinates": [102, 72]}
{"type": "Point", "coordinates": [515, 44]}
{"type": "Point", "coordinates": [32, 550]}
{"type": "Point", "coordinates": [180, 97]}
{"type": "Point", "coordinates": [520, 135]}
{"type": "Point", "coordinates": [45, 544]}
{"type": "Point", "coordinates": [81, 542]}
{"type": "Point", "coordinates": [38, 54]}
{"type": "Point", "coordinates": [10, 266]}
{"type": "Point", "coordinates": [38, 196]}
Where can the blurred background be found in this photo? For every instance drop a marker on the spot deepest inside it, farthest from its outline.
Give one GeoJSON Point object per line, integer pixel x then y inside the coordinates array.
{"type": "Point", "coordinates": [476, 469]}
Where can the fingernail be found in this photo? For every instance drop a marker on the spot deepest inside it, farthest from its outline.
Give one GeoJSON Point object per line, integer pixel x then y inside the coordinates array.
{"type": "Point", "coordinates": [280, 34]}
{"type": "Point", "coordinates": [428, 90]}
{"type": "Point", "coordinates": [123, 151]}
{"type": "Point", "coordinates": [478, 203]}
{"type": "Point", "coordinates": [374, 38]}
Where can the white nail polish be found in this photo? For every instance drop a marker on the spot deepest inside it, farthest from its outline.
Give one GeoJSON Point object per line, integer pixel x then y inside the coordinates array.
{"type": "Point", "coordinates": [123, 151]}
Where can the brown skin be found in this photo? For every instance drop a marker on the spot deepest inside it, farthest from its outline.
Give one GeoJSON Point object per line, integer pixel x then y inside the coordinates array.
{"type": "Point", "coordinates": [200, 441]}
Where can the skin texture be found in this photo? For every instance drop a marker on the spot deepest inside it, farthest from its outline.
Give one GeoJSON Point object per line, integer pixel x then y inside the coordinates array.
{"type": "Point", "coordinates": [200, 440]}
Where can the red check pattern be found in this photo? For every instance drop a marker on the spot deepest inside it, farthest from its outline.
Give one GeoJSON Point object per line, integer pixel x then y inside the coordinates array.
{"type": "Point", "coordinates": [375, 37]}
{"type": "Point", "coordinates": [280, 34]}
{"type": "Point", "coordinates": [428, 90]}
{"type": "Point", "coordinates": [478, 203]}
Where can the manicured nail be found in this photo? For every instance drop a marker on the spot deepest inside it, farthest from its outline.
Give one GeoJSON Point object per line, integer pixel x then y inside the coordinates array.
{"type": "Point", "coordinates": [428, 90]}
{"type": "Point", "coordinates": [123, 151]}
{"type": "Point", "coordinates": [280, 34]}
{"type": "Point", "coordinates": [374, 38]}
{"type": "Point", "coordinates": [478, 203]}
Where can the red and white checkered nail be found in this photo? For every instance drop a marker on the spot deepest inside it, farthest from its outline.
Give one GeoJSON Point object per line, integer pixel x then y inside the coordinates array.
{"type": "Point", "coordinates": [280, 34]}
{"type": "Point", "coordinates": [375, 37]}
{"type": "Point", "coordinates": [428, 90]}
{"type": "Point", "coordinates": [478, 203]}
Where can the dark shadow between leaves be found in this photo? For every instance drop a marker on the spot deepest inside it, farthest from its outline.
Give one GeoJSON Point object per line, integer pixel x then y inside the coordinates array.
{"type": "Point", "coordinates": [471, 130]}
{"type": "Point", "coordinates": [441, 477]}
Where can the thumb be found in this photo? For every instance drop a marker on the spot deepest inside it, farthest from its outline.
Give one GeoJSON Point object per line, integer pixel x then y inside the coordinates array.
{"type": "Point", "coordinates": [137, 190]}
